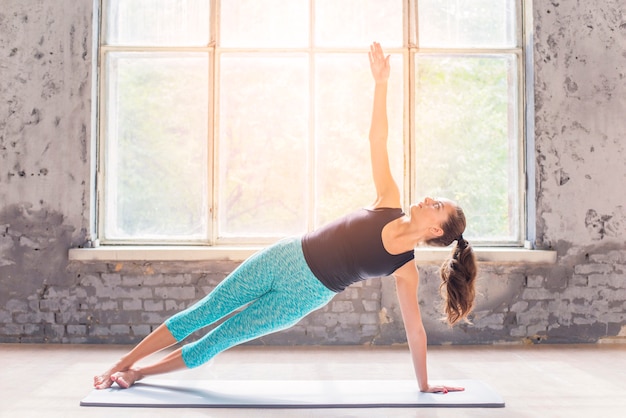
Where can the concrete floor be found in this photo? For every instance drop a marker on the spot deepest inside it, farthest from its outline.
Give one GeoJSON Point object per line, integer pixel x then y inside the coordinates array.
{"type": "Point", "coordinates": [535, 381]}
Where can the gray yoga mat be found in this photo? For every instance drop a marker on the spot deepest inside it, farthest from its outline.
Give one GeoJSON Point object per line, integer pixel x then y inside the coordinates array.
{"type": "Point", "coordinates": [292, 394]}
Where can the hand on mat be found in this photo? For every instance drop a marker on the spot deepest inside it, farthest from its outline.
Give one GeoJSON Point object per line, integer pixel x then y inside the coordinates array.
{"type": "Point", "coordinates": [443, 389]}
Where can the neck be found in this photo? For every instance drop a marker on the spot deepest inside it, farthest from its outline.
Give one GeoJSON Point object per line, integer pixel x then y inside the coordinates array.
{"type": "Point", "coordinates": [399, 236]}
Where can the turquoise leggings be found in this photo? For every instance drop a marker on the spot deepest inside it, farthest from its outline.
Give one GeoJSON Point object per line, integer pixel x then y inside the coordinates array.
{"type": "Point", "coordinates": [278, 288]}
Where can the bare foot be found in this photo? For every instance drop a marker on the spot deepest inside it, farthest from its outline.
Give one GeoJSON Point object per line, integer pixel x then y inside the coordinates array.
{"type": "Point", "coordinates": [126, 378]}
{"type": "Point", "coordinates": [104, 380]}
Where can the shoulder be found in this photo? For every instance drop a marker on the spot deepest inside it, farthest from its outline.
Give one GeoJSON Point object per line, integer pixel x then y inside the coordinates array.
{"type": "Point", "coordinates": [407, 279]}
{"type": "Point", "coordinates": [408, 271]}
{"type": "Point", "coordinates": [389, 200]}
{"type": "Point", "coordinates": [383, 216]}
{"type": "Point", "coordinates": [385, 209]}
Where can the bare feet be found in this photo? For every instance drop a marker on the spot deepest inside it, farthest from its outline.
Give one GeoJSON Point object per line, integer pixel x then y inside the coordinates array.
{"type": "Point", "coordinates": [127, 378]}
{"type": "Point", "coordinates": [105, 380]}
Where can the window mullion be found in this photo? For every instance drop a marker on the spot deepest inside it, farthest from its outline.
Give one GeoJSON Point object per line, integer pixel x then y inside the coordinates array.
{"type": "Point", "coordinates": [410, 159]}
{"type": "Point", "coordinates": [312, 144]}
{"type": "Point", "coordinates": [312, 148]}
{"type": "Point", "coordinates": [211, 152]}
{"type": "Point", "coordinates": [412, 23]}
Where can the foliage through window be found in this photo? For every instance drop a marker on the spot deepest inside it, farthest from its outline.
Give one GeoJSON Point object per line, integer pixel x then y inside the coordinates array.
{"type": "Point", "coordinates": [243, 121]}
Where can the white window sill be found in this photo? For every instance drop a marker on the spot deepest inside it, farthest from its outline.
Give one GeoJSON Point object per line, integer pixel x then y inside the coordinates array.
{"type": "Point", "coordinates": [239, 253]}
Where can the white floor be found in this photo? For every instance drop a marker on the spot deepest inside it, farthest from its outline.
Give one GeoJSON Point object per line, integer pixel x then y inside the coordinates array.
{"type": "Point", "coordinates": [535, 381]}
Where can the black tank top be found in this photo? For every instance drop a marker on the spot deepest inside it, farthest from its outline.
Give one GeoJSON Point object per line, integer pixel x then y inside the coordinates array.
{"type": "Point", "coordinates": [350, 249]}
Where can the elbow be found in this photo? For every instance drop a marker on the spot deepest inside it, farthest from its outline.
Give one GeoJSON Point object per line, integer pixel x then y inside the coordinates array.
{"type": "Point", "coordinates": [417, 335]}
{"type": "Point", "coordinates": [378, 138]}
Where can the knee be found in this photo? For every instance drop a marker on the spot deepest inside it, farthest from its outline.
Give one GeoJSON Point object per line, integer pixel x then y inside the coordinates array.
{"type": "Point", "coordinates": [194, 356]}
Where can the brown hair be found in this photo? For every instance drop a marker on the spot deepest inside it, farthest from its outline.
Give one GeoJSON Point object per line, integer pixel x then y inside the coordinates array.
{"type": "Point", "coordinates": [458, 273]}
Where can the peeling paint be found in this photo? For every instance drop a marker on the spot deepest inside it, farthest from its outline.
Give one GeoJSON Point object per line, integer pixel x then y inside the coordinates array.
{"type": "Point", "coordinates": [579, 104]}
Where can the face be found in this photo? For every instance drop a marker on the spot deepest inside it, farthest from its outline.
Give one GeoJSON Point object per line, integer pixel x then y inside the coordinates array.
{"type": "Point", "coordinates": [433, 213]}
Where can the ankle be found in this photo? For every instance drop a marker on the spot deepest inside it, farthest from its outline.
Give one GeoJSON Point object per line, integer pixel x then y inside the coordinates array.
{"type": "Point", "coordinates": [137, 372]}
{"type": "Point", "coordinates": [125, 363]}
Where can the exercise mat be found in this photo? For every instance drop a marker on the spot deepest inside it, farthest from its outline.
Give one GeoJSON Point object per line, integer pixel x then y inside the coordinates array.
{"type": "Point", "coordinates": [293, 394]}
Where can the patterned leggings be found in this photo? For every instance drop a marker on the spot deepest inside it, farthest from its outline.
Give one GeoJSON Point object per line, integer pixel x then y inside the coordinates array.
{"type": "Point", "coordinates": [278, 288]}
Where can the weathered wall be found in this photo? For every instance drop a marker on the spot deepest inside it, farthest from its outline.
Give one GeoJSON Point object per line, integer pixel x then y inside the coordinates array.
{"type": "Point", "coordinates": [45, 89]}
{"type": "Point", "coordinates": [45, 153]}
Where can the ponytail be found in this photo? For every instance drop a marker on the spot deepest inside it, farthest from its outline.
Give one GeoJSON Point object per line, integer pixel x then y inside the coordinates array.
{"type": "Point", "coordinates": [458, 278]}
{"type": "Point", "coordinates": [458, 273]}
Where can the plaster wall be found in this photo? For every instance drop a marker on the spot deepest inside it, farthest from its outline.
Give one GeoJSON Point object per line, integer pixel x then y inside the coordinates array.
{"type": "Point", "coordinates": [46, 72]}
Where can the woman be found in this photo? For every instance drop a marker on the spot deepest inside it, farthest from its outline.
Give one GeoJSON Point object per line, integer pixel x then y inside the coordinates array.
{"type": "Point", "coordinates": [288, 280]}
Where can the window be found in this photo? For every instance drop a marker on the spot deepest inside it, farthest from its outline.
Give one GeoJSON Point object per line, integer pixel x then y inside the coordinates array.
{"type": "Point", "coordinates": [243, 121]}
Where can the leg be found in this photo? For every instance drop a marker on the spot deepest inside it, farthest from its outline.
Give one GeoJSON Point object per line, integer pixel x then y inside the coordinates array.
{"type": "Point", "coordinates": [295, 293]}
{"type": "Point", "coordinates": [272, 312]}
{"type": "Point", "coordinates": [171, 362]}
{"type": "Point", "coordinates": [269, 314]}
{"type": "Point", "coordinates": [156, 341]}
{"type": "Point", "coordinates": [244, 284]}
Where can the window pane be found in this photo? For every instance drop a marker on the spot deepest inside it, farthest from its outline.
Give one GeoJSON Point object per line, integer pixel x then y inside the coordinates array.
{"type": "Point", "coordinates": [264, 23]}
{"type": "Point", "coordinates": [353, 23]}
{"type": "Point", "coordinates": [156, 153]}
{"type": "Point", "coordinates": [263, 140]}
{"type": "Point", "coordinates": [463, 24]}
{"type": "Point", "coordinates": [343, 106]}
{"type": "Point", "coordinates": [467, 139]}
{"type": "Point", "coordinates": [158, 22]}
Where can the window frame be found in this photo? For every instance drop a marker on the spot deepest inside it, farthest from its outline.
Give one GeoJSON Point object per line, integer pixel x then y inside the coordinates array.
{"type": "Point", "coordinates": [409, 50]}
{"type": "Point", "coordinates": [525, 236]}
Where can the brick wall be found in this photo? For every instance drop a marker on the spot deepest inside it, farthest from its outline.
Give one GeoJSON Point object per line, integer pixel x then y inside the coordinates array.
{"type": "Point", "coordinates": [581, 302]}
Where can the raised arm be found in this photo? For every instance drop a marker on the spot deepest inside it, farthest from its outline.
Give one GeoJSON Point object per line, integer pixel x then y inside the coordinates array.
{"type": "Point", "coordinates": [407, 280]}
{"type": "Point", "coordinates": [387, 192]}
